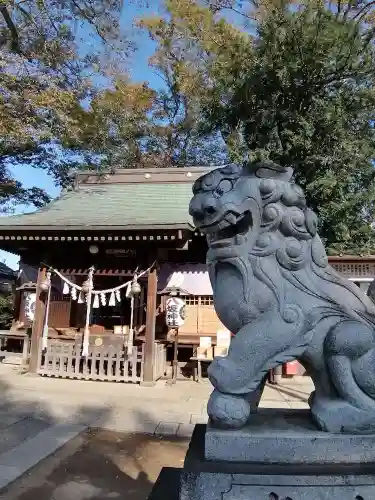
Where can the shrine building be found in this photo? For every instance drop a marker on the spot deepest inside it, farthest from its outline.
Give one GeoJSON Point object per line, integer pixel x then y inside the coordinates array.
{"type": "Point", "coordinates": [130, 233]}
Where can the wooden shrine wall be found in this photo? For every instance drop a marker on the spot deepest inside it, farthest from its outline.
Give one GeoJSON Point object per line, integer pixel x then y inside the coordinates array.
{"type": "Point", "coordinates": [59, 314]}
{"type": "Point", "coordinates": [201, 318]}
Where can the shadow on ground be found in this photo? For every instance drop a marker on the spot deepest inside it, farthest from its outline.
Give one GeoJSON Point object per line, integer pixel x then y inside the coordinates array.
{"type": "Point", "coordinates": [294, 394]}
{"type": "Point", "coordinates": [96, 465]}
{"type": "Point", "coordinates": [24, 418]}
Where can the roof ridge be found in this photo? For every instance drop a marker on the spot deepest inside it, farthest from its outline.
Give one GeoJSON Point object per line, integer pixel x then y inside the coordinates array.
{"type": "Point", "coordinates": [161, 170]}
{"type": "Point", "coordinates": [144, 175]}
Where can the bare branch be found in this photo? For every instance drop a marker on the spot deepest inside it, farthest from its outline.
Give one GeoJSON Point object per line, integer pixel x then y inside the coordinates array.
{"type": "Point", "coordinates": [348, 9]}
{"type": "Point", "coordinates": [15, 46]}
{"type": "Point", "coordinates": [49, 17]}
{"type": "Point", "coordinates": [364, 11]}
{"type": "Point", "coordinates": [338, 8]}
{"type": "Point", "coordinates": [89, 19]}
{"type": "Point", "coordinates": [30, 18]}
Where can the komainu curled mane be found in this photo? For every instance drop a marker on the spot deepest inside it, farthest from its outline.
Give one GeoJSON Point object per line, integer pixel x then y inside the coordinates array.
{"type": "Point", "coordinates": [274, 289]}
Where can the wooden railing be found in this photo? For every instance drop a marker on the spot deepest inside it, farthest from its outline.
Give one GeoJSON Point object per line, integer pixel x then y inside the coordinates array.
{"type": "Point", "coordinates": [63, 359]}
{"type": "Point", "coordinates": [106, 362]}
{"type": "Point", "coordinates": [160, 361]}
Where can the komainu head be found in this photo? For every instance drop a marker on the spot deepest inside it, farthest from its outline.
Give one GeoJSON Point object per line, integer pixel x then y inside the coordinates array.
{"type": "Point", "coordinates": [258, 210]}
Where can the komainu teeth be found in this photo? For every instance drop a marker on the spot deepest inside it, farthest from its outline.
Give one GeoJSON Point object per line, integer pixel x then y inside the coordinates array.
{"type": "Point", "coordinates": [231, 218]}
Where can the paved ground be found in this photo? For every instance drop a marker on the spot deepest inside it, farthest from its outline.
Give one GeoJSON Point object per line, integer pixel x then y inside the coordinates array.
{"type": "Point", "coordinates": [101, 465]}
{"type": "Point", "coordinates": [123, 407]}
{"type": "Point", "coordinates": [38, 415]}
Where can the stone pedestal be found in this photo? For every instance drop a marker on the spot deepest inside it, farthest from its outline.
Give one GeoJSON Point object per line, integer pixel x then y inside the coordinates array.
{"type": "Point", "coordinates": [286, 437]}
{"type": "Point", "coordinates": [279, 456]}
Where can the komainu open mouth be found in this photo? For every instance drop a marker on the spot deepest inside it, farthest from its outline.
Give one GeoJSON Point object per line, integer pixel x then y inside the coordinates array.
{"type": "Point", "coordinates": [231, 233]}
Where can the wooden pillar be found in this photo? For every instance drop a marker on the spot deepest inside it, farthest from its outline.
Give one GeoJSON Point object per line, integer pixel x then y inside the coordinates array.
{"type": "Point", "coordinates": [37, 327]}
{"type": "Point", "coordinates": [141, 311]}
{"type": "Point", "coordinates": [149, 347]}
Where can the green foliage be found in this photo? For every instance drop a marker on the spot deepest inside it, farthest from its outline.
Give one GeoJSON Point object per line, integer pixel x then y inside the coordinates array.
{"type": "Point", "coordinates": [51, 52]}
{"type": "Point", "coordinates": [302, 94]}
{"type": "Point", "coordinates": [289, 80]}
{"type": "Point", "coordinates": [133, 126]}
{"type": "Point", "coordinates": [54, 117]}
{"type": "Point", "coordinates": [6, 311]}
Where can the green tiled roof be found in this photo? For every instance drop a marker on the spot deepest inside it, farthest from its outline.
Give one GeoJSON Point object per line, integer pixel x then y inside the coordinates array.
{"type": "Point", "coordinates": [112, 205]}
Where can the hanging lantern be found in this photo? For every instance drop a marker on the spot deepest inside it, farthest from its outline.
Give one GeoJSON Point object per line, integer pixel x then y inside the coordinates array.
{"type": "Point", "coordinates": [86, 286]}
{"type": "Point", "coordinates": [135, 287]}
{"type": "Point", "coordinates": [46, 283]}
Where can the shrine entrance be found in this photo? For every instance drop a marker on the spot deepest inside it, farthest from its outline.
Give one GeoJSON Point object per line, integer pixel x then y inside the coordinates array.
{"type": "Point", "coordinates": [97, 337]}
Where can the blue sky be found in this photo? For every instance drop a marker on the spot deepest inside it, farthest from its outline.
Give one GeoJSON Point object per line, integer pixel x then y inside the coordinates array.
{"type": "Point", "coordinates": [29, 177]}
{"type": "Point", "coordinates": [139, 71]}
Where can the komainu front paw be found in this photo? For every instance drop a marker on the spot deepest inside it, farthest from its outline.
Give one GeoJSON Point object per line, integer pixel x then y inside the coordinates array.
{"type": "Point", "coordinates": [227, 411]}
{"type": "Point", "coordinates": [225, 376]}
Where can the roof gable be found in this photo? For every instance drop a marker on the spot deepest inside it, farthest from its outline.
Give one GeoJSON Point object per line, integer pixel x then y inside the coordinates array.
{"type": "Point", "coordinates": [6, 271]}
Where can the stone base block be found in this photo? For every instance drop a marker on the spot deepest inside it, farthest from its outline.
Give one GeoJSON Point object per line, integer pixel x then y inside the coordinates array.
{"type": "Point", "coordinates": [205, 486]}
{"type": "Point", "coordinates": [348, 473]}
{"type": "Point", "coordinates": [287, 458]}
{"type": "Point", "coordinates": [287, 437]}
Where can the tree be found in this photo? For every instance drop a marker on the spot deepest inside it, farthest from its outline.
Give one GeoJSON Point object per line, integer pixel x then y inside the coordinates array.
{"type": "Point", "coordinates": [54, 117]}
{"type": "Point", "coordinates": [132, 125]}
{"type": "Point", "coordinates": [180, 128]}
{"type": "Point", "coordinates": [296, 87]}
{"type": "Point", "coordinates": [52, 53]}
{"type": "Point", "coordinates": [63, 38]}
{"type": "Point", "coordinates": [6, 311]}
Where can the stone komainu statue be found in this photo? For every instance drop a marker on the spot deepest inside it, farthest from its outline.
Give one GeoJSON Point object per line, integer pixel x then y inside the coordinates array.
{"type": "Point", "coordinates": [273, 288]}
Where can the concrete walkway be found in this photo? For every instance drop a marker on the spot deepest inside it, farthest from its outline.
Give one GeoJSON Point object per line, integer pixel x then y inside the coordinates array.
{"type": "Point", "coordinates": [38, 415]}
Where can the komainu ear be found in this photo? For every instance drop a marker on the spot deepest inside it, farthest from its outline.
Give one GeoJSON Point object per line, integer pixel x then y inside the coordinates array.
{"type": "Point", "coordinates": [268, 170]}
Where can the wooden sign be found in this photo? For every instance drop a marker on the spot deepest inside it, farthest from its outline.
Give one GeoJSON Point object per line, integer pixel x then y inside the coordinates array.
{"type": "Point", "coordinates": [220, 351]}
{"type": "Point", "coordinates": [121, 252]}
{"type": "Point", "coordinates": [205, 342]}
{"type": "Point", "coordinates": [223, 338]}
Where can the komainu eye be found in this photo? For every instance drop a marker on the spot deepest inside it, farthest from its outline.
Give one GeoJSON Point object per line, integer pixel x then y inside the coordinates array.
{"type": "Point", "coordinates": [223, 187]}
